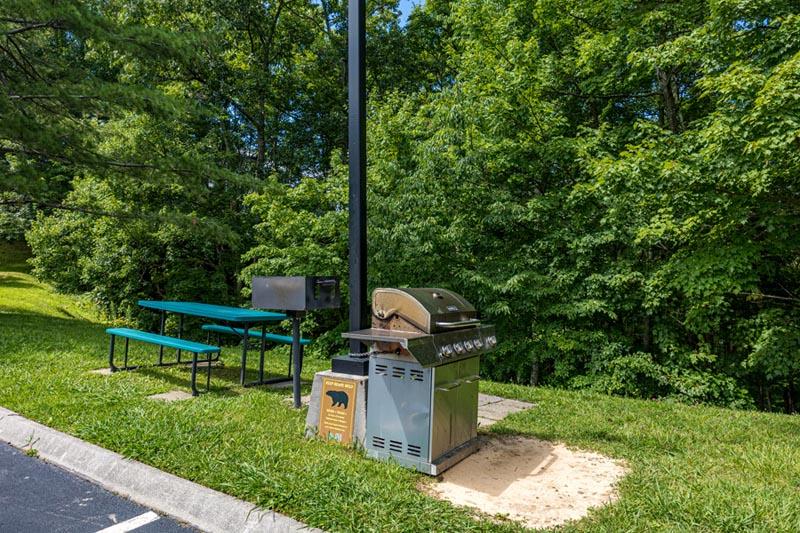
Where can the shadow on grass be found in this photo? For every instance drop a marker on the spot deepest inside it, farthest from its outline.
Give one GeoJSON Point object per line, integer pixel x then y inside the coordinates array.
{"type": "Point", "coordinates": [183, 379]}
{"type": "Point", "coordinates": [13, 282]}
{"type": "Point", "coordinates": [32, 327]}
{"type": "Point", "coordinates": [229, 375]}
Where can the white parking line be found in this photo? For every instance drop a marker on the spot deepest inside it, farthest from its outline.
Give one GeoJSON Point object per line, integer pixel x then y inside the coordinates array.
{"type": "Point", "coordinates": [134, 523]}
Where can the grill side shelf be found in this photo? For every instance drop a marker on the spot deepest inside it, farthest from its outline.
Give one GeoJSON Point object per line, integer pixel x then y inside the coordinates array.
{"type": "Point", "coordinates": [384, 335]}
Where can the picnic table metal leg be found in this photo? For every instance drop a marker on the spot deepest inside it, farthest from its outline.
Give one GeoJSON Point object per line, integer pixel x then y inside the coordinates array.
{"type": "Point", "coordinates": [245, 341]}
{"type": "Point", "coordinates": [180, 334]}
{"type": "Point", "coordinates": [194, 374]}
{"type": "Point", "coordinates": [126, 352]}
{"type": "Point", "coordinates": [208, 373]}
{"type": "Point", "coordinates": [111, 355]}
{"type": "Point", "coordinates": [261, 360]}
{"type": "Point", "coordinates": [296, 357]}
{"type": "Point", "coordinates": [161, 332]}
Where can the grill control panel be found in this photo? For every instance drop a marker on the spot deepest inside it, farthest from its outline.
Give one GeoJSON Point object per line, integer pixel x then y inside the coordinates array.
{"type": "Point", "coordinates": [467, 346]}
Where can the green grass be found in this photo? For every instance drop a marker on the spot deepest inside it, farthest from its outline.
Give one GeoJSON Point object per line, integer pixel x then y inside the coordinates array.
{"type": "Point", "coordinates": [691, 468]}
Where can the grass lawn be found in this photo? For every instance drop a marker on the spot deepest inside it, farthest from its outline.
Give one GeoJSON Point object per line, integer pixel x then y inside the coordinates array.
{"type": "Point", "coordinates": [691, 468]}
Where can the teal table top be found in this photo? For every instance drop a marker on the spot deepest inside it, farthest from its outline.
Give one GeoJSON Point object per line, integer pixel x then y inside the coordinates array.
{"type": "Point", "coordinates": [214, 312]}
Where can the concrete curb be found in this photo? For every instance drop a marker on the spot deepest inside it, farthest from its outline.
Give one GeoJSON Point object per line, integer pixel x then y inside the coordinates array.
{"type": "Point", "coordinates": [199, 506]}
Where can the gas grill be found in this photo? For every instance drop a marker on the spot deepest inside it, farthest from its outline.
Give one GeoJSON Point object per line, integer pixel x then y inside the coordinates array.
{"type": "Point", "coordinates": [422, 400]}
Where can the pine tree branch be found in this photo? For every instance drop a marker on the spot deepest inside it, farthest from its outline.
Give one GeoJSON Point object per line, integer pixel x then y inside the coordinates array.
{"type": "Point", "coordinates": [51, 96]}
{"type": "Point", "coordinates": [96, 159]}
{"type": "Point", "coordinates": [65, 207]}
{"type": "Point", "coordinates": [53, 24]}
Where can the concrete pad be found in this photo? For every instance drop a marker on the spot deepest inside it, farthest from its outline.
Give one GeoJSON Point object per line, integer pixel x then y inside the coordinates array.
{"type": "Point", "coordinates": [493, 411]}
{"type": "Point", "coordinates": [201, 507]}
{"type": "Point", "coordinates": [101, 371]}
{"type": "Point", "coordinates": [283, 385]}
{"type": "Point", "coordinates": [496, 411]}
{"type": "Point", "coordinates": [304, 400]}
{"type": "Point", "coordinates": [485, 422]}
{"type": "Point", "coordinates": [203, 364]}
{"type": "Point", "coordinates": [485, 399]}
{"type": "Point", "coordinates": [516, 405]}
{"type": "Point", "coordinates": [171, 396]}
{"type": "Point", "coordinates": [538, 483]}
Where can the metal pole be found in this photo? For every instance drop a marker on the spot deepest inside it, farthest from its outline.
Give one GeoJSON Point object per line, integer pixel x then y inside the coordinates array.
{"type": "Point", "coordinates": [357, 144]}
{"type": "Point", "coordinates": [298, 365]}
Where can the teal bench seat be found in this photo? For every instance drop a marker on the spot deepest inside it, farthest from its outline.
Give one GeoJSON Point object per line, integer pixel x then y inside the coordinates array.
{"type": "Point", "coordinates": [254, 333]}
{"type": "Point", "coordinates": [169, 342]}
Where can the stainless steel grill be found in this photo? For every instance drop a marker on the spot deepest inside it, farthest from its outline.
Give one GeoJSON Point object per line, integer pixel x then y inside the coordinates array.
{"type": "Point", "coordinates": [422, 402]}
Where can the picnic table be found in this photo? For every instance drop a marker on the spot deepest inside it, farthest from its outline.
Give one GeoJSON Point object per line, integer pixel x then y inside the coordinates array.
{"type": "Point", "coordinates": [240, 321]}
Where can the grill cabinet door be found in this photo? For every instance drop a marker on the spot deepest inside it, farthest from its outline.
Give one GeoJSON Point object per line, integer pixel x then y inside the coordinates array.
{"type": "Point", "coordinates": [398, 417]}
{"type": "Point", "coordinates": [445, 401]}
{"type": "Point", "coordinates": [466, 413]}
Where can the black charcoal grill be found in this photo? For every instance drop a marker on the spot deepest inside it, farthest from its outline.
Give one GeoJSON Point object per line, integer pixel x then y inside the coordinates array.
{"type": "Point", "coordinates": [295, 295]}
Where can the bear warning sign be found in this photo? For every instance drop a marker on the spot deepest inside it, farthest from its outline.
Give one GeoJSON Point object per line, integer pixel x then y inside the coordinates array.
{"type": "Point", "coordinates": [337, 409]}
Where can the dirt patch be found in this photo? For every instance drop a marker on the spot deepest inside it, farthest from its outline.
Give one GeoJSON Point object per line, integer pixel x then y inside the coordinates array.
{"type": "Point", "coordinates": [538, 483]}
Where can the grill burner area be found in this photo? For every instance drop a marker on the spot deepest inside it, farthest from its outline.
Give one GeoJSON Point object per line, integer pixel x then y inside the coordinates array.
{"type": "Point", "coordinates": [422, 399]}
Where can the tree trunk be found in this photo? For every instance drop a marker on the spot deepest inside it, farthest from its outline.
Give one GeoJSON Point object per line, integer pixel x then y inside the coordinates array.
{"type": "Point", "coordinates": [788, 398]}
{"type": "Point", "coordinates": [261, 150]}
{"type": "Point", "coordinates": [534, 373]}
{"type": "Point", "coordinates": [647, 337]}
{"type": "Point", "coordinates": [668, 86]}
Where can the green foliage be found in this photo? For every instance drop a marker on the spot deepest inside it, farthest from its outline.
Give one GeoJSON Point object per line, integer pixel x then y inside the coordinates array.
{"type": "Point", "coordinates": [613, 183]}
{"type": "Point", "coordinates": [179, 252]}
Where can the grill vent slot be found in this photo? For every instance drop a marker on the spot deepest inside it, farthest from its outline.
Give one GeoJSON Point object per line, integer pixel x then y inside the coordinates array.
{"type": "Point", "coordinates": [416, 374]}
{"type": "Point", "coordinates": [395, 446]}
{"type": "Point", "coordinates": [380, 370]}
{"type": "Point", "coordinates": [378, 442]}
{"type": "Point", "coordinates": [414, 450]}
{"type": "Point", "coordinates": [398, 372]}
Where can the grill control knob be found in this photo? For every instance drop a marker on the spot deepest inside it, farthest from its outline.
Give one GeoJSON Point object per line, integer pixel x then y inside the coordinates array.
{"type": "Point", "coordinates": [468, 345]}
{"type": "Point", "coordinates": [478, 344]}
{"type": "Point", "coordinates": [491, 341]}
{"type": "Point", "coordinates": [458, 347]}
{"type": "Point", "coordinates": [447, 350]}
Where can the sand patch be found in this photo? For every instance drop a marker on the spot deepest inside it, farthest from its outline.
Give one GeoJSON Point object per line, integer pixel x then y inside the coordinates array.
{"type": "Point", "coordinates": [538, 483]}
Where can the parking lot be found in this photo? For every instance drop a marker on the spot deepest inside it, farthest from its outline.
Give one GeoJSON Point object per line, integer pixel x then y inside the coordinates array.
{"type": "Point", "coordinates": [36, 497]}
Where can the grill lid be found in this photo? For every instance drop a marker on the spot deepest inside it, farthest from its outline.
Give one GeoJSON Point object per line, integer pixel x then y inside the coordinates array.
{"type": "Point", "coordinates": [433, 326]}
{"type": "Point", "coordinates": [427, 310]}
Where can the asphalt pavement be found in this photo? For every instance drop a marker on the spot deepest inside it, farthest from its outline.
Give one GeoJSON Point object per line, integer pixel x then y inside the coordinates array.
{"type": "Point", "coordinates": [37, 497]}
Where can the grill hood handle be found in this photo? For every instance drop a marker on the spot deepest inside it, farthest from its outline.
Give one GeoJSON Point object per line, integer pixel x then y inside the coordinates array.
{"type": "Point", "coordinates": [459, 323]}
